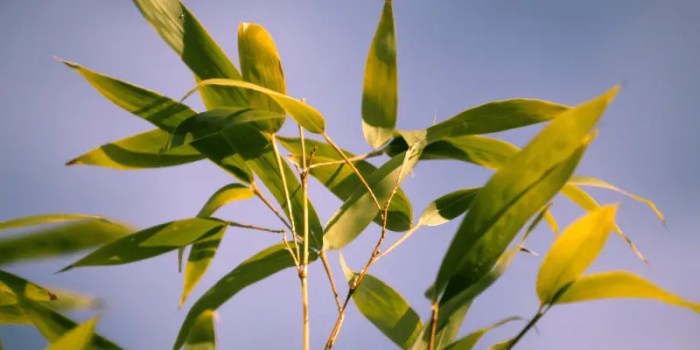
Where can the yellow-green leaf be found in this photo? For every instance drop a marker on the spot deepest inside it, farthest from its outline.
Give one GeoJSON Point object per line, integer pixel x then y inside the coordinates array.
{"type": "Point", "coordinates": [44, 219]}
{"type": "Point", "coordinates": [573, 251]}
{"type": "Point", "coordinates": [77, 338]}
{"type": "Point", "coordinates": [227, 194]}
{"type": "Point", "coordinates": [448, 207]}
{"type": "Point", "coordinates": [380, 91]}
{"type": "Point", "coordinates": [202, 336]}
{"type": "Point", "coordinates": [468, 342]}
{"type": "Point", "coordinates": [619, 284]}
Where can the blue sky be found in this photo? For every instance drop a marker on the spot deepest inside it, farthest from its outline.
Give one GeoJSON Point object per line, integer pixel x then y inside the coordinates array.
{"type": "Point", "coordinates": [452, 55]}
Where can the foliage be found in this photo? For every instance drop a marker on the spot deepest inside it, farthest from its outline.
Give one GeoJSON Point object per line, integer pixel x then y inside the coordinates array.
{"type": "Point", "coordinates": [239, 133]}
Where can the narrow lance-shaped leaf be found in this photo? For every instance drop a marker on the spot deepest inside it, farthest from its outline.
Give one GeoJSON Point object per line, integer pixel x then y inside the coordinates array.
{"type": "Point", "coordinates": [385, 308]}
{"type": "Point", "coordinates": [342, 181]}
{"type": "Point", "coordinates": [202, 336]}
{"type": "Point", "coordinates": [151, 242]}
{"type": "Point", "coordinates": [77, 338]}
{"type": "Point", "coordinates": [139, 151]}
{"type": "Point", "coordinates": [188, 38]}
{"type": "Point", "coordinates": [59, 240]}
{"type": "Point", "coordinates": [227, 194]}
{"type": "Point", "coordinates": [502, 345]}
{"type": "Point", "coordinates": [305, 115]}
{"type": "Point", "coordinates": [359, 209]}
{"type": "Point", "coordinates": [44, 219]}
{"type": "Point", "coordinates": [573, 251]}
{"type": "Point", "coordinates": [258, 267]}
{"type": "Point", "coordinates": [619, 284]}
{"type": "Point", "coordinates": [448, 207]}
{"type": "Point", "coordinates": [468, 342]}
{"type": "Point", "coordinates": [380, 90]}
{"type": "Point", "coordinates": [261, 65]}
{"type": "Point", "coordinates": [516, 192]}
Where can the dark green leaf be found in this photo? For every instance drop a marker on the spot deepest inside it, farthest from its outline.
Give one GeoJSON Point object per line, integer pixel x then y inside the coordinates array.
{"type": "Point", "coordinates": [448, 207]}
{"type": "Point", "coordinates": [468, 342]}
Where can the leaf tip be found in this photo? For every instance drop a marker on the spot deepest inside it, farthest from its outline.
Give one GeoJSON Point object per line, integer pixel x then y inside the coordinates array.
{"type": "Point", "coordinates": [67, 63]}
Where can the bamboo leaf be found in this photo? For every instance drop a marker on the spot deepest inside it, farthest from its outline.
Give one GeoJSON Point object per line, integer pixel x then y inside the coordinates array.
{"type": "Point", "coordinates": [342, 181]}
{"type": "Point", "coordinates": [385, 308]}
{"type": "Point", "coordinates": [502, 345]}
{"type": "Point", "coordinates": [139, 151]}
{"type": "Point", "coordinates": [202, 336]}
{"type": "Point", "coordinates": [44, 219]}
{"type": "Point", "coordinates": [448, 207]}
{"type": "Point", "coordinates": [188, 38]}
{"type": "Point", "coordinates": [516, 192]}
{"type": "Point", "coordinates": [13, 315]}
{"type": "Point", "coordinates": [77, 338]}
{"type": "Point", "coordinates": [573, 251]}
{"type": "Point", "coordinates": [58, 240]}
{"type": "Point", "coordinates": [261, 65]}
{"type": "Point", "coordinates": [258, 267]}
{"type": "Point", "coordinates": [359, 209]}
{"type": "Point", "coordinates": [305, 115]}
{"type": "Point", "coordinates": [227, 194]}
{"type": "Point", "coordinates": [151, 242]}
{"type": "Point", "coordinates": [380, 89]}
{"type": "Point", "coordinates": [468, 342]}
{"type": "Point", "coordinates": [619, 284]}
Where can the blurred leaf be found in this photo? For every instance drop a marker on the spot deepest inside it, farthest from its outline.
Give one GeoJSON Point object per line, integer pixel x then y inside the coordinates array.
{"type": "Point", "coordinates": [380, 89]}
{"type": "Point", "coordinates": [256, 268]}
{"type": "Point", "coordinates": [140, 151]}
{"type": "Point", "coordinates": [151, 242]}
{"type": "Point", "coordinates": [190, 40]}
{"type": "Point", "coordinates": [44, 219]}
{"type": "Point", "coordinates": [59, 240]}
{"type": "Point", "coordinates": [619, 284]}
{"type": "Point", "coordinates": [13, 314]}
{"type": "Point", "coordinates": [227, 194]}
{"type": "Point", "coordinates": [359, 209]}
{"type": "Point", "coordinates": [385, 308]}
{"type": "Point", "coordinates": [502, 345]}
{"type": "Point", "coordinates": [305, 115]}
{"type": "Point", "coordinates": [261, 65]}
{"type": "Point", "coordinates": [342, 181]}
{"type": "Point", "coordinates": [595, 182]}
{"type": "Point", "coordinates": [202, 336]}
{"type": "Point", "coordinates": [448, 207]}
{"type": "Point", "coordinates": [516, 192]}
{"type": "Point", "coordinates": [50, 324]}
{"type": "Point", "coordinates": [494, 117]}
{"type": "Point", "coordinates": [468, 342]}
{"type": "Point", "coordinates": [77, 338]}
{"type": "Point", "coordinates": [573, 251]}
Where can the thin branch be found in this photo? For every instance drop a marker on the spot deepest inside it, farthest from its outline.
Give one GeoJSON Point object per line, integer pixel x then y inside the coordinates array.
{"type": "Point", "coordinates": [398, 242]}
{"type": "Point", "coordinates": [269, 204]}
{"type": "Point", "coordinates": [290, 212]}
{"type": "Point", "coordinates": [288, 248]}
{"type": "Point", "coordinates": [374, 153]}
{"type": "Point", "coordinates": [329, 273]}
{"type": "Point", "coordinates": [540, 312]}
{"type": "Point", "coordinates": [253, 227]}
{"type": "Point", "coordinates": [433, 325]}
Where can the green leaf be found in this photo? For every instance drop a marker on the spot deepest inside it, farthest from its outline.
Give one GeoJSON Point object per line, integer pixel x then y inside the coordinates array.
{"type": "Point", "coordinates": [50, 324]}
{"type": "Point", "coordinates": [77, 338]}
{"type": "Point", "coordinates": [305, 115]}
{"type": "Point", "coordinates": [359, 209]}
{"type": "Point", "coordinates": [573, 251]}
{"type": "Point", "coordinates": [502, 345]}
{"type": "Point", "coordinates": [468, 342]}
{"type": "Point", "coordinates": [496, 116]}
{"type": "Point", "coordinates": [190, 40]}
{"type": "Point", "coordinates": [140, 151]}
{"type": "Point", "coordinates": [151, 242]}
{"type": "Point", "coordinates": [227, 194]}
{"type": "Point", "coordinates": [380, 90]}
{"type": "Point", "coordinates": [256, 268]}
{"type": "Point", "coordinates": [342, 181]}
{"type": "Point", "coordinates": [619, 284]}
{"type": "Point", "coordinates": [12, 314]}
{"type": "Point", "coordinates": [448, 207]}
{"type": "Point", "coordinates": [44, 219]}
{"type": "Point", "coordinates": [202, 336]}
{"type": "Point", "coordinates": [56, 298]}
{"type": "Point", "coordinates": [58, 240]}
{"type": "Point", "coordinates": [261, 65]}
{"type": "Point", "coordinates": [515, 193]}
{"type": "Point", "coordinates": [385, 308]}
{"type": "Point", "coordinates": [595, 182]}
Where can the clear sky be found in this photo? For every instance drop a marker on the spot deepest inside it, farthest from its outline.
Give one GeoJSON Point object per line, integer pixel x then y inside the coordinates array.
{"type": "Point", "coordinates": [452, 55]}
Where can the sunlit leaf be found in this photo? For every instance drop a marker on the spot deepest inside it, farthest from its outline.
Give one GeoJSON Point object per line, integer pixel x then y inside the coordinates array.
{"type": "Point", "coordinates": [380, 90]}
{"type": "Point", "coordinates": [342, 181]}
{"type": "Point", "coordinates": [261, 65]}
{"type": "Point", "coordinates": [573, 251]}
{"type": "Point", "coordinates": [140, 151]}
{"type": "Point", "coordinates": [516, 192]}
{"type": "Point", "coordinates": [13, 314]}
{"type": "Point", "coordinates": [77, 338]}
{"type": "Point", "coordinates": [502, 345]}
{"type": "Point", "coordinates": [258, 267]}
{"type": "Point", "coordinates": [43, 219]}
{"type": "Point", "coordinates": [202, 336]}
{"type": "Point", "coordinates": [151, 242]}
{"type": "Point", "coordinates": [385, 308]}
{"type": "Point", "coordinates": [59, 240]}
{"type": "Point", "coordinates": [305, 115]}
{"type": "Point", "coordinates": [468, 342]}
{"type": "Point", "coordinates": [359, 209]}
{"type": "Point", "coordinates": [448, 207]}
{"type": "Point", "coordinates": [227, 194]}
{"type": "Point", "coordinates": [183, 32]}
{"type": "Point", "coordinates": [619, 284]}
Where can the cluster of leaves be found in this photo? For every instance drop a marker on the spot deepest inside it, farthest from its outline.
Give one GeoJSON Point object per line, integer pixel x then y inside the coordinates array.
{"type": "Point", "coordinates": [238, 132]}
